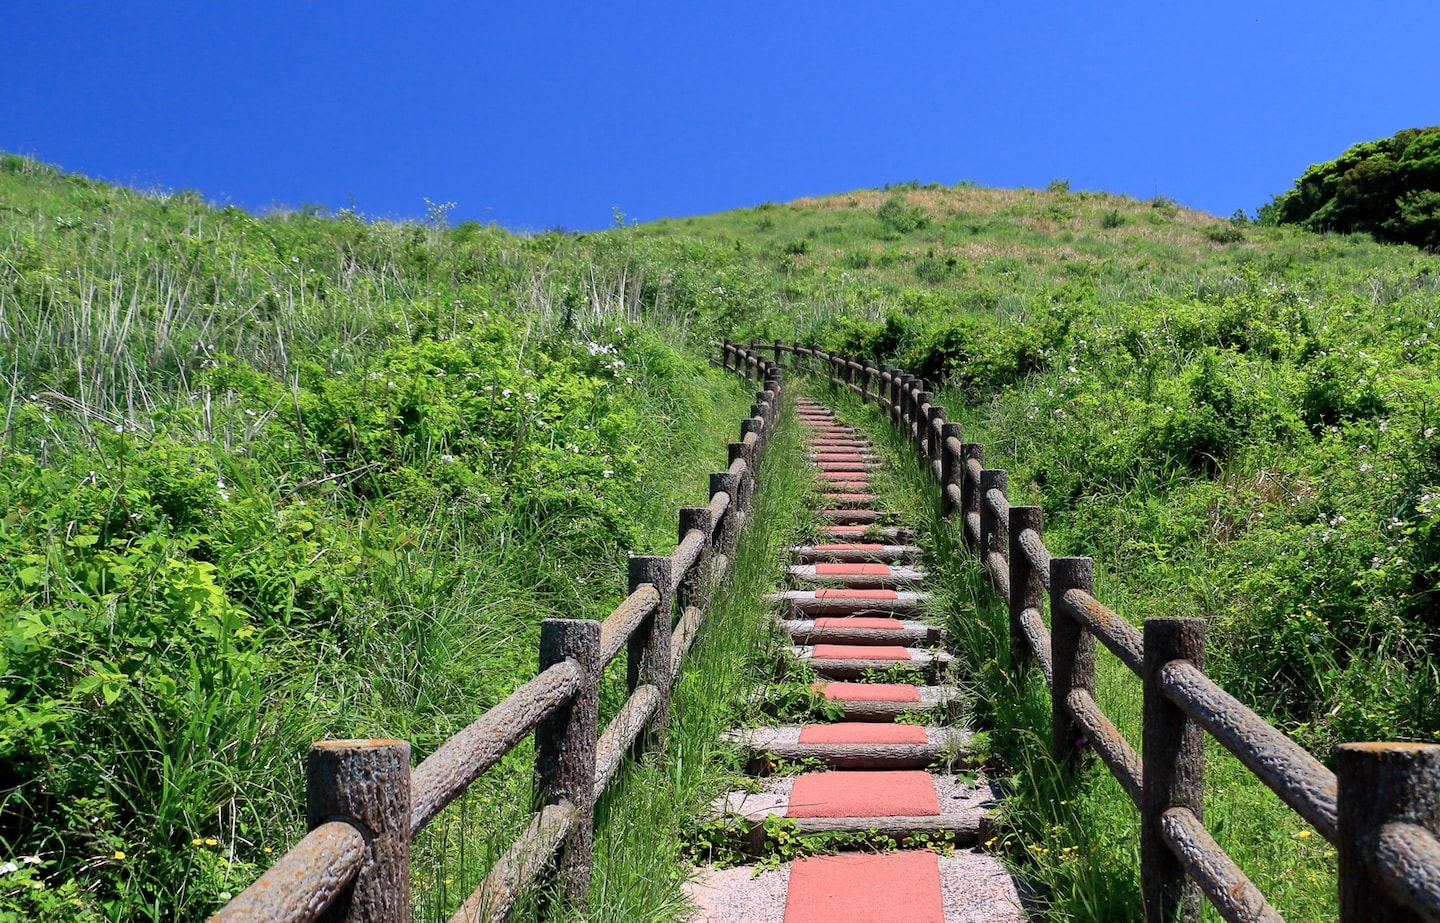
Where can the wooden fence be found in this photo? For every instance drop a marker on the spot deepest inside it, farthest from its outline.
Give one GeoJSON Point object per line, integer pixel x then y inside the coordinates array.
{"type": "Point", "coordinates": [1380, 808]}
{"type": "Point", "coordinates": [364, 802]}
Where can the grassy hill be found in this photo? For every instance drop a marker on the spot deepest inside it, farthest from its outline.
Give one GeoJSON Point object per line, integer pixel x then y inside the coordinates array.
{"type": "Point", "coordinates": [271, 478]}
{"type": "Point", "coordinates": [1244, 416]}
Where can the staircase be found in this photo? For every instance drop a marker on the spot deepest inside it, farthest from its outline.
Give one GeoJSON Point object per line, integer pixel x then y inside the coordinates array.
{"type": "Point", "coordinates": [889, 769]}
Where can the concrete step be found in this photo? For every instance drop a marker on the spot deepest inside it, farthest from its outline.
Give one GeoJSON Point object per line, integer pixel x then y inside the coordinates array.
{"type": "Point", "coordinates": [858, 575]}
{"type": "Point", "coordinates": [835, 601]}
{"type": "Point", "coordinates": [954, 805]}
{"type": "Point", "coordinates": [854, 661]}
{"type": "Point", "coordinates": [852, 745]}
{"type": "Point", "coordinates": [853, 552]}
{"type": "Point", "coordinates": [862, 631]}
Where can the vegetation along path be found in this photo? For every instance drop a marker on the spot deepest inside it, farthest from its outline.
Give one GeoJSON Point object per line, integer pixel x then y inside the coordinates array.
{"type": "Point", "coordinates": [878, 821]}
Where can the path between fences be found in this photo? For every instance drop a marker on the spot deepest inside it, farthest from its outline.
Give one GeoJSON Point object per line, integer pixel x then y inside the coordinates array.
{"type": "Point", "coordinates": [856, 614]}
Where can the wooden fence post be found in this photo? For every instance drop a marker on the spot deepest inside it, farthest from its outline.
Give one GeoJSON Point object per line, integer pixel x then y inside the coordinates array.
{"type": "Point", "coordinates": [648, 650]}
{"type": "Point", "coordinates": [948, 468]}
{"type": "Point", "coordinates": [565, 749]}
{"type": "Point", "coordinates": [779, 348]}
{"type": "Point", "coordinates": [741, 497]}
{"type": "Point", "coordinates": [1073, 651]}
{"type": "Point", "coordinates": [1380, 784]}
{"type": "Point", "coordinates": [868, 382]}
{"type": "Point", "coordinates": [696, 583]}
{"type": "Point", "coordinates": [725, 482]}
{"type": "Point", "coordinates": [969, 491]}
{"type": "Point", "coordinates": [994, 537]}
{"type": "Point", "coordinates": [907, 399]}
{"type": "Point", "coordinates": [1173, 762]}
{"type": "Point", "coordinates": [367, 783]}
{"type": "Point", "coordinates": [933, 422]}
{"type": "Point", "coordinates": [1027, 591]}
{"type": "Point", "coordinates": [918, 420]}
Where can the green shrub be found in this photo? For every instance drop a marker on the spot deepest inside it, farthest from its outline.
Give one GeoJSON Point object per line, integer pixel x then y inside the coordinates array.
{"type": "Point", "coordinates": [900, 217]}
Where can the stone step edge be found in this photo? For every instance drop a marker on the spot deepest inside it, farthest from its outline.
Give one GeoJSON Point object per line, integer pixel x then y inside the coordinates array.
{"type": "Point", "coordinates": [910, 634]}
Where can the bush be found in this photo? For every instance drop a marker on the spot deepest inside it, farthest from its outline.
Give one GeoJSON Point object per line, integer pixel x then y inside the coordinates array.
{"type": "Point", "coordinates": [900, 217]}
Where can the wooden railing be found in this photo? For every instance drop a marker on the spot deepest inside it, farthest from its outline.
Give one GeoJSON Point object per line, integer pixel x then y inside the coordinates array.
{"type": "Point", "coordinates": [364, 802]}
{"type": "Point", "coordinates": [1380, 808]}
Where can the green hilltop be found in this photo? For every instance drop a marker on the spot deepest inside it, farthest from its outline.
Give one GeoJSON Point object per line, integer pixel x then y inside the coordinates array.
{"type": "Point", "coordinates": [272, 478]}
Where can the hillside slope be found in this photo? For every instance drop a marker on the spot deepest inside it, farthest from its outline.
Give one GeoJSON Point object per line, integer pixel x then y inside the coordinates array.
{"type": "Point", "coordinates": [1245, 416]}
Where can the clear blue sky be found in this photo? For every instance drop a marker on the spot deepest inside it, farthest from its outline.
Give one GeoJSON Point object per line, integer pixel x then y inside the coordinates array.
{"type": "Point", "coordinates": [537, 115]}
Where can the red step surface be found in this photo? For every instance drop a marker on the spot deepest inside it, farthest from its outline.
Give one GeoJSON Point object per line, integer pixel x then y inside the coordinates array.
{"type": "Point", "coordinates": [852, 570]}
{"type": "Point", "coordinates": [856, 497]}
{"type": "Point", "coordinates": [896, 887]}
{"type": "Point", "coordinates": [860, 652]}
{"type": "Point", "coordinates": [882, 793]}
{"type": "Point", "coordinates": [862, 732]}
{"type": "Point", "coordinates": [855, 621]}
{"type": "Point", "coordinates": [869, 692]}
{"type": "Point", "coordinates": [837, 593]}
{"type": "Point", "coordinates": [862, 546]}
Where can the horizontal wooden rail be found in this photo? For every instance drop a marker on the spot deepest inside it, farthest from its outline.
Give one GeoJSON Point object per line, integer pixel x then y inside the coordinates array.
{"type": "Point", "coordinates": [1228, 888]}
{"type": "Point", "coordinates": [306, 880]}
{"type": "Point", "coordinates": [1287, 768]}
{"type": "Point", "coordinates": [1114, 750]}
{"type": "Point", "coordinates": [1387, 828]}
{"type": "Point", "coordinates": [445, 774]}
{"type": "Point", "coordinates": [1122, 638]}
{"type": "Point", "coordinates": [520, 867]}
{"type": "Point", "coordinates": [620, 624]}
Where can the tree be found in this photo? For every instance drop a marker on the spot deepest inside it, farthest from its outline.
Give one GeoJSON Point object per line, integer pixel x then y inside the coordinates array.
{"type": "Point", "coordinates": [1388, 188]}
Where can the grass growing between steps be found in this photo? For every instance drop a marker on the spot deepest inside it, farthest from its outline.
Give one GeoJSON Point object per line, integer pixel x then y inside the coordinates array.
{"type": "Point", "coordinates": [644, 818]}
{"type": "Point", "coordinates": [1074, 838]}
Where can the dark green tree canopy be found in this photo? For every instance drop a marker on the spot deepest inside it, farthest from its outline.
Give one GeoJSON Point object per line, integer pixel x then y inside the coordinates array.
{"type": "Point", "coordinates": [1389, 188]}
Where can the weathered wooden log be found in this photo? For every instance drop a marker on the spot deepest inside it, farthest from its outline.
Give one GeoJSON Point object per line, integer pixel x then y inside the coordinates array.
{"type": "Point", "coordinates": [621, 734]}
{"type": "Point", "coordinates": [1039, 556]}
{"type": "Point", "coordinates": [518, 869]}
{"type": "Point", "coordinates": [305, 880]}
{"type": "Point", "coordinates": [1037, 635]}
{"type": "Point", "coordinates": [445, 774]}
{"type": "Point", "coordinates": [565, 749]}
{"type": "Point", "coordinates": [692, 579]}
{"type": "Point", "coordinates": [972, 459]}
{"type": "Point", "coordinates": [1229, 889]}
{"type": "Point", "coordinates": [619, 626]}
{"type": "Point", "coordinates": [724, 484]}
{"type": "Point", "coordinates": [367, 783]}
{"type": "Point", "coordinates": [950, 434]}
{"type": "Point", "coordinates": [686, 628]}
{"type": "Point", "coordinates": [964, 828]}
{"type": "Point", "coordinates": [1073, 650]}
{"type": "Point", "coordinates": [1288, 769]}
{"type": "Point", "coordinates": [1122, 638]}
{"type": "Point", "coordinates": [1027, 590]}
{"type": "Point", "coordinates": [648, 661]}
{"type": "Point", "coordinates": [1173, 771]}
{"type": "Point", "coordinates": [1111, 746]}
{"type": "Point", "coordinates": [1389, 803]}
{"type": "Point", "coordinates": [909, 634]}
{"type": "Point", "coordinates": [855, 554]}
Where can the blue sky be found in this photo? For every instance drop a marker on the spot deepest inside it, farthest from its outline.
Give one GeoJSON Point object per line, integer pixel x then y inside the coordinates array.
{"type": "Point", "coordinates": [541, 115]}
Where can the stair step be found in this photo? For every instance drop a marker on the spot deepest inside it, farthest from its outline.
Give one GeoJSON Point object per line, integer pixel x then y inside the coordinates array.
{"type": "Point", "coordinates": [964, 812]}
{"type": "Point", "coordinates": [890, 534]}
{"type": "Point", "coordinates": [851, 745]}
{"type": "Point", "coordinates": [850, 602]}
{"type": "Point", "coordinates": [862, 631]}
{"type": "Point", "coordinates": [853, 552]}
{"type": "Point", "coordinates": [888, 701]}
{"type": "Point", "coordinates": [849, 573]}
{"type": "Point", "coordinates": [845, 661]}
{"type": "Point", "coordinates": [852, 517]}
